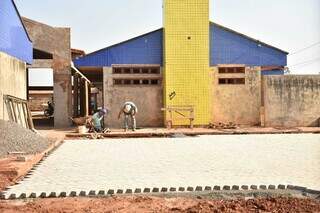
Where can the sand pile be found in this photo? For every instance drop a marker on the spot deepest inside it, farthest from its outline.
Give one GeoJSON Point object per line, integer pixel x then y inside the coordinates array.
{"type": "Point", "coordinates": [15, 138]}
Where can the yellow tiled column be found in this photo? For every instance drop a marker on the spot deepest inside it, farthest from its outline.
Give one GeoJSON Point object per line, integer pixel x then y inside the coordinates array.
{"type": "Point", "coordinates": [186, 57]}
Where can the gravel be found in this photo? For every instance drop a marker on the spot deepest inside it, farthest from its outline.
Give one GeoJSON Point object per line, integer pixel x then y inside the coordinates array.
{"type": "Point", "coordinates": [15, 138]}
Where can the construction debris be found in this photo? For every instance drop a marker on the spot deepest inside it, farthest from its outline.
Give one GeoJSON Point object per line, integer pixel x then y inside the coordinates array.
{"type": "Point", "coordinates": [15, 138]}
{"type": "Point", "coordinates": [229, 125]}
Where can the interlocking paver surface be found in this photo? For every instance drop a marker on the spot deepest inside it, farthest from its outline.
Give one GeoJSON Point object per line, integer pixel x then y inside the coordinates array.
{"type": "Point", "coordinates": [173, 162]}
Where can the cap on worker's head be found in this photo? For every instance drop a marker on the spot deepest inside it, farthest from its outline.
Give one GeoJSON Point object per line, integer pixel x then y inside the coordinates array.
{"type": "Point", "coordinates": [103, 111]}
{"type": "Point", "coordinates": [127, 108]}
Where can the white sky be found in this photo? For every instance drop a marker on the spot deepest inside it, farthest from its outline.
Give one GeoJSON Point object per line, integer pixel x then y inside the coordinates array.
{"type": "Point", "coordinates": [290, 25]}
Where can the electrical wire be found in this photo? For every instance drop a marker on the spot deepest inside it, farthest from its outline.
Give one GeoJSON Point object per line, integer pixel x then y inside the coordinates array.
{"type": "Point", "coordinates": [306, 48]}
{"type": "Point", "coordinates": [305, 62]}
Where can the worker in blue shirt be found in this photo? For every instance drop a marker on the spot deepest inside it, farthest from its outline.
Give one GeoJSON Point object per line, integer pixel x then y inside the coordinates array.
{"type": "Point", "coordinates": [129, 109]}
{"type": "Point", "coordinates": [97, 120]}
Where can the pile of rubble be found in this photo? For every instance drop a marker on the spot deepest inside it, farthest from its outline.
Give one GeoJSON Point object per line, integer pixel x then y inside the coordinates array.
{"type": "Point", "coordinates": [15, 138]}
{"type": "Point", "coordinates": [229, 125]}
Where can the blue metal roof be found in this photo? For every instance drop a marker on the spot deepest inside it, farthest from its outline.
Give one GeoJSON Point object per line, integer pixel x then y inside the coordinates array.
{"type": "Point", "coordinates": [226, 47]}
{"type": "Point", "coordinates": [14, 39]}
{"type": "Point", "coordinates": [145, 49]}
{"type": "Point", "coordinates": [230, 47]}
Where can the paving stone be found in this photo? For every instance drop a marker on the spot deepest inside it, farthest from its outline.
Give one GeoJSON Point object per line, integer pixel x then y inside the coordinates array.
{"type": "Point", "coordinates": [72, 194]}
{"type": "Point", "coordinates": [235, 187]}
{"type": "Point", "coordinates": [226, 188]}
{"type": "Point", "coordinates": [23, 196]}
{"type": "Point", "coordinates": [272, 187]}
{"type": "Point", "coordinates": [172, 189]}
{"type": "Point", "coordinates": [63, 194]}
{"type": "Point", "coordinates": [164, 189]}
{"type": "Point", "coordinates": [155, 162]}
{"type": "Point", "coordinates": [253, 187]}
{"type": "Point", "coordinates": [102, 193]}
{"type": "Point", "coordinates": [290, 187]}
{"type": "Point", "coordinates": [217, 188]}
{"type": "Point", "coordinates": [119, 191]}
{"type": "Point", "coordinates": [147, 190]}
{"type": "Point", "coordinates": [136, 191]}
{"type": "Point", "coordinates": [263, 187]}
{"type": "Point", "coordinates": [52, 195]}
{"type": "Point", "coordinates": [82, 194]}
{"type": "Point", "coordinates": [92, 193]}
{"type": "Point", "coordinates": [12, 197]}
{"type": "Point", "coordinates": [245, 187]}
{"type": "Point", "coordinates": [129, 191]}
{"type": "Point", "coordinates": [111, 191]}
{"type": "Point", "coordinates": [207, 188]}
{"type": "Point", "coordinates": [155, 190]}
{"type": "Point", "coordinates": [43, 195]}
{"type": "Point", "coordinates": [181, 189]}
{"type": "Point", "coordinates": [199, 188]}
{"type": "Point", "coordinates": [33, 195]}
{"type": "Point", "coordinates": [190, 189]}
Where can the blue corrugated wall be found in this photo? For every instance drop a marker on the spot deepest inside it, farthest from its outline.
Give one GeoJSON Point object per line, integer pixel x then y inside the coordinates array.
{"type": "Point", "coordinates": [226, 47]}
{"type": "Point", "coordinates": [13, 38]}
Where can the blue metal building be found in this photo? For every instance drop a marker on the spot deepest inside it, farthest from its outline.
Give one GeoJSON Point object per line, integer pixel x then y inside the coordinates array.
{"type": "Point", "coordinates": [14, 39]}
{"type": "Point", "coordinates": [226, 47]}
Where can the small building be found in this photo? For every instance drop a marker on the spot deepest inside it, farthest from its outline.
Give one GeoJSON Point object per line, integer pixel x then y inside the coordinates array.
{"type": "Point", "coordinates": [15, 54]}
{"type": "Point", "coordinates": [190, 61]}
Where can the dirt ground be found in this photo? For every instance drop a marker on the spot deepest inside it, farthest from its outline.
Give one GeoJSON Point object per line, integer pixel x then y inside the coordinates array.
{"type": "Point", "coordinates": [156, 204]}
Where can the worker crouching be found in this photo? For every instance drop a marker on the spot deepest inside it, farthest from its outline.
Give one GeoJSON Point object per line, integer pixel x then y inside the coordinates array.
{"type": "Point", "coordinates": [97, 120]}
{"type": "Point", "coordinates": [129, 110]}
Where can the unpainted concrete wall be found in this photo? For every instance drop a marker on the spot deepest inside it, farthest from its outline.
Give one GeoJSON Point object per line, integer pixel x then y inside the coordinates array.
{"type": "Point", "coordinates": [239, 104]}
{"type": "Point", "coordinates": [13, 80]}
{"type": "Point", "coordinates": [55, 40]}
{"type": "Point", "coordinates": [148, 98]}
{"type": "Point", "coordinates": [292, 100]}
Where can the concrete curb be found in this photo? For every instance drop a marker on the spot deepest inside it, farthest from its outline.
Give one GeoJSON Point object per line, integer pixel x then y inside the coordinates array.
{"type": "Point", "coordinates": [159, 191]}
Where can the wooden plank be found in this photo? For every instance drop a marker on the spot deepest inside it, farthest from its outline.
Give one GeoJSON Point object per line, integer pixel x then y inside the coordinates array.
{"type": "Point", "coordinates": [76, 95]}
{"type": "Point", "coordinates": [30, 121]}
{"type": "Point", "coordinates": [25, 114]}
{"type": "Point", "coordinates": [13, 104]}
{"type": "Point", "coordinates": [9, 109]}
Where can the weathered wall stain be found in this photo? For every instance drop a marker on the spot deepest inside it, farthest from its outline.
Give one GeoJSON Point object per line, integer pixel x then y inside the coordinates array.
{"type": "Point", "coordinates": [292, 100]}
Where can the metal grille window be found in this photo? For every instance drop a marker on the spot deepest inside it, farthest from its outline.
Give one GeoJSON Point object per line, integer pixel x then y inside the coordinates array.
{"type": "Point", "coordinates": [232, 81]}
{"type": "Point", "coordinates": [231, 70]}
{"type": "Point", "coordinates": [136, 70]}
{"type": "Point", "coordinates": [135, 82]}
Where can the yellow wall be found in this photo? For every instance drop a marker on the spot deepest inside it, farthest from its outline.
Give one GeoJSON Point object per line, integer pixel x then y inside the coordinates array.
{"type": "Point", "coordinates": [13, 80]}
{"type": "Point", "coordinates": [186, 56]}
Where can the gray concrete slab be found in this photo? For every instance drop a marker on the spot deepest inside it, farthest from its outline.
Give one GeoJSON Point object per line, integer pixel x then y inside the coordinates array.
{"type": "Point", "coordinates": [177, 162]}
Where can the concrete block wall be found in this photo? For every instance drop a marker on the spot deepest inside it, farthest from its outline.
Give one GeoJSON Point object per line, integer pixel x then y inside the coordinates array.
{"type": "Point", "coordinates": [237, 103]}
{"type": "Point", "coordinates": [13, 79]}
{"type": "Point", "coordinates": [148, 98]}
{"type": "Point", "coordinates": [292, 100]}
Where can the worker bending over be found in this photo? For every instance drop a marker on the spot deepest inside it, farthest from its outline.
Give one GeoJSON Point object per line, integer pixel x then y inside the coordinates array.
{"type": "Point", "coordinates": [97, 119]}
{"type": "Point", "coordinates": [129, 109]}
